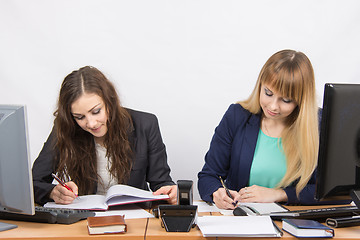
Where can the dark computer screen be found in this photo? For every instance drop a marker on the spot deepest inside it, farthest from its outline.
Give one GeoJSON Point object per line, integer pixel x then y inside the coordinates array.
{"type": "Point", "coordinates": [339, 151]}
{"type": "Point", "coordinates": [16, 188]}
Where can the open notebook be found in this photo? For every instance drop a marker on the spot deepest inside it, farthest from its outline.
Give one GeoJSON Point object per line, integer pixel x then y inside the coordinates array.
{"type": "Point", "coordinates": [116, 195]}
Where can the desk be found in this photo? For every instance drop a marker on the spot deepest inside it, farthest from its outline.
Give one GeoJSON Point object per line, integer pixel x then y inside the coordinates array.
{"type": "Point", "coordinates": [78, 231]}
{"type": "Point", "coordinates": [137, 229]}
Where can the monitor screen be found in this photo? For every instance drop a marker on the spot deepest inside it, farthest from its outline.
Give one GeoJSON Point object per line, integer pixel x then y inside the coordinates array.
{"type": "Point", "coordinates": [339, 152]}
{"type": "Point", "coordinates": [16, 188]}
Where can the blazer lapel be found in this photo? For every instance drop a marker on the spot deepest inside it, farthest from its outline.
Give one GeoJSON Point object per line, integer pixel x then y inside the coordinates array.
{"type": "Point", "coordinates": [248, 149]}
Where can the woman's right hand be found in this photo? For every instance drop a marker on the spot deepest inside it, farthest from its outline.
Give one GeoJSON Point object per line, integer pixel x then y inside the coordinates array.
{"type": "Point", "coordinates": [61, 195]}
{"type": "Point", "coordinates": [223, 201]}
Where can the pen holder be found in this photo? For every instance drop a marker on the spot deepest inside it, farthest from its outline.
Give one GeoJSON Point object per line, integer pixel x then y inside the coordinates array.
{"type": "Point", "coordinates": [177, 218]}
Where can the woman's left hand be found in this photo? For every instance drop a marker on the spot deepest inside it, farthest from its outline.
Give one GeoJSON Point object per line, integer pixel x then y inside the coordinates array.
{"type": "Point", "coordinates": [170, 190]}
{"type": "Point", "coordinates": [256, 193]}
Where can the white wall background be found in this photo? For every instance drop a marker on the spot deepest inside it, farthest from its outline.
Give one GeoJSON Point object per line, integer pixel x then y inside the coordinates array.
{"type": "Point", "coordinates": [186, 60]}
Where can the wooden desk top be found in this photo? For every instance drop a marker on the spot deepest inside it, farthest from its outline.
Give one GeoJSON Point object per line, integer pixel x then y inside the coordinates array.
{"type": "Point", "coordinates": [137, 229]}
{"type": "Point", "coordinates": [156, 232]}
{"type": "Point", "coordinates": [78, 231]}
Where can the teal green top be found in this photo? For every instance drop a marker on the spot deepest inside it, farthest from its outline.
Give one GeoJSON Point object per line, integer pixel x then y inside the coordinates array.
{"type": "Point", "coordinates": [269, 163]}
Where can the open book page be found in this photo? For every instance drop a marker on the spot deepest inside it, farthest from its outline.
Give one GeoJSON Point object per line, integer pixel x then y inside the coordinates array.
{"type": "Point", "coordinates": [95, 202]}
{"type": "Point", "coordinates": [123, 194]}
{"type": "Point", "coordinates": [116, 195]}
{"type": "Point", "coordinates": [230, 226]}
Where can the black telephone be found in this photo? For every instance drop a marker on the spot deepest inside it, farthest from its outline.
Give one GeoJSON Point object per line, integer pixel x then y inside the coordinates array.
{"type": "Point", "coordinates": [181, 217]}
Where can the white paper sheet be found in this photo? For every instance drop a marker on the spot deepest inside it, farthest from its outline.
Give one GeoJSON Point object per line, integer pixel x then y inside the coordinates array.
{"type": "Point", "coordinates": [231, 226]}
{"type": "Point", "coordinates": [130, 212]}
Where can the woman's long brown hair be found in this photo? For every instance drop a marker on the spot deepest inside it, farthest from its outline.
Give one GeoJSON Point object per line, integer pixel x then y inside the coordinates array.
{"type": "Point", "coordinates": [76, 147]}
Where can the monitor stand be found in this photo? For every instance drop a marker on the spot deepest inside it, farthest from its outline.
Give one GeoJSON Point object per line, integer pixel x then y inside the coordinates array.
{"type": "Point", "coordinates": [6, 226]}
{"type": "Point", "coordinates": [355, 195]}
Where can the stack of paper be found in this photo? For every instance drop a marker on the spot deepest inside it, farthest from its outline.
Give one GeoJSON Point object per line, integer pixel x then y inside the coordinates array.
{"type": "Point", "coordinates": [231, 226]}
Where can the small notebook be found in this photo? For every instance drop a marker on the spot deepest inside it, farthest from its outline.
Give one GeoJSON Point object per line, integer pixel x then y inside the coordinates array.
{"type": "Point", "coordinates": [106, 224]}
{"type": "Point", "coordinates": [306, 228]}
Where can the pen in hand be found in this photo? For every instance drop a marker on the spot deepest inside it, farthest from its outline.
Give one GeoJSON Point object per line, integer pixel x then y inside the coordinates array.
{"type": "Point", "coordinates": [62, 183]}
{"type": "Point", "coordinates": [227, 190]}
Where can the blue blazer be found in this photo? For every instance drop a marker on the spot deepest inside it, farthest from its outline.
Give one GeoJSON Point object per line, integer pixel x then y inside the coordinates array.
{"type": "Point", "coordinates": [231, 154]}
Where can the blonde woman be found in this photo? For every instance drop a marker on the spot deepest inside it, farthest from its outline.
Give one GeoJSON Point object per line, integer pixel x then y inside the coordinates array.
{"type": "Point", "coordinates": [266, 147]}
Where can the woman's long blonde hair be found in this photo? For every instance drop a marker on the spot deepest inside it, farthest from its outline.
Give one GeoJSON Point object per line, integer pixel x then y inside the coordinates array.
{"type": "Point", "coordinates": [291, 74]}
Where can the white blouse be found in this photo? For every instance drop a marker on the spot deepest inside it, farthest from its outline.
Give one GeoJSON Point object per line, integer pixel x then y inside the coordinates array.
{"type": "Point", "coordinates": [105, 180]}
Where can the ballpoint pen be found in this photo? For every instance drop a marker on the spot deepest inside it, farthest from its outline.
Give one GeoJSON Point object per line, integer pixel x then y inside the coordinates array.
{"type": "Point", "coordinates": [227, 190]}
{"type": "Point", "coordinates": [62, 183]}
{"type": "Point", "coordinates": [278, 230]}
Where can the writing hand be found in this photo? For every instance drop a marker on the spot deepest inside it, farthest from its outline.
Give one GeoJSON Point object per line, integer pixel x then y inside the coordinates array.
{"type": "Point", "coordinates": [223, 201]}
{"type": "Point", "coordinates": [170, 190]}
{"type": "Point", "coordinates": [61, 195]}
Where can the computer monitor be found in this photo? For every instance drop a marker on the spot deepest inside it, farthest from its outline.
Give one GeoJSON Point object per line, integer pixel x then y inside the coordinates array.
{"type": "Point", "coordinates": [338, 170]}
{"type": "Point", "coordinates": [16, 186]}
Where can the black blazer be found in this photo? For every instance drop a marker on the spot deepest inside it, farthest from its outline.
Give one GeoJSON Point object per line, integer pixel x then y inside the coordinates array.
{"type": "Point", "coordinates": [149, 163]}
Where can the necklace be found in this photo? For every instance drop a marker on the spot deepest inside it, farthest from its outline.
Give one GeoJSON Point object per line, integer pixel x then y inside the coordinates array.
{"type": "Point", "coordinates": [276, 129]}
{"type": "Point", "coordinates": [265, 127]}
